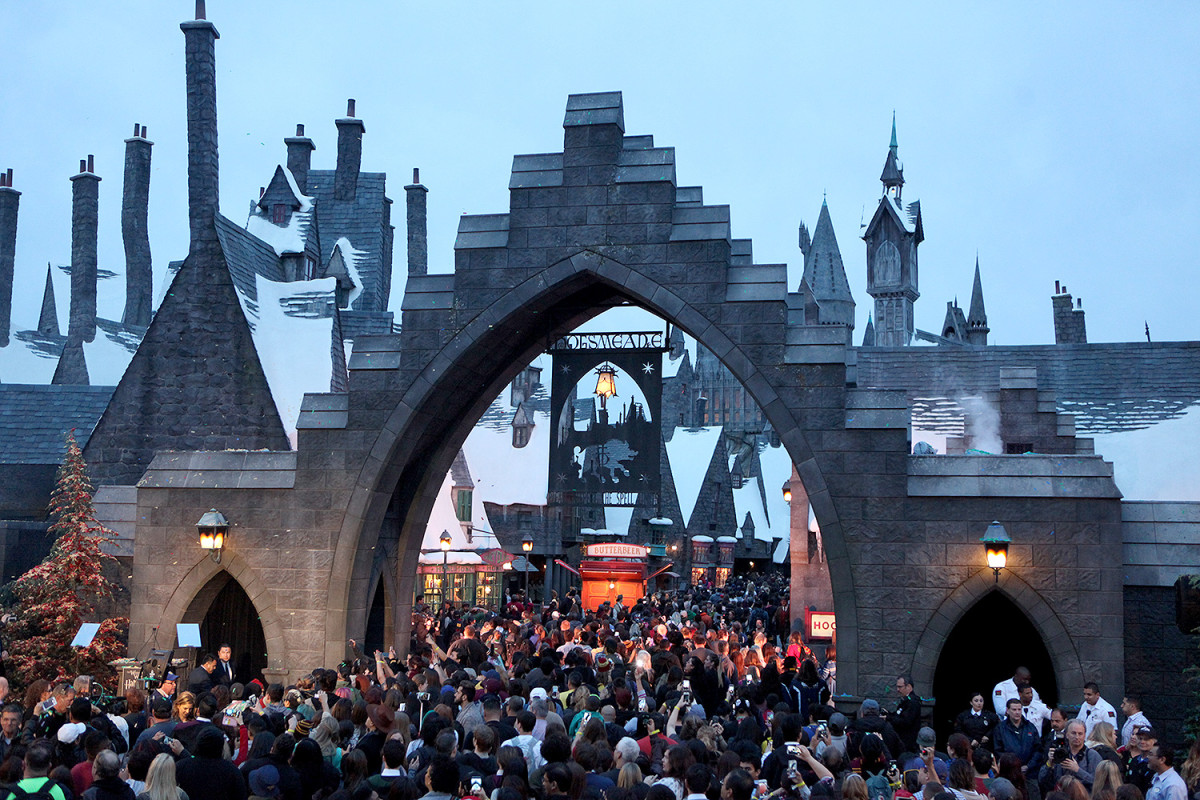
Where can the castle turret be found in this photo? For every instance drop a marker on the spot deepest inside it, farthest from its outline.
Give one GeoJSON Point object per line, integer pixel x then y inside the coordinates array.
{"type": "Point", "coordinates": [977, 325]}
{"type": "Point", "coordinates": [9, 202]}
{"type": "Point", "coordinates": [825, 274]}
{"type": "Point", "coordinates": [135, 204]}
{"type": "Point", "coordinates": [85, 203]}
{"type": "Point", "coordinates": [892, 237]}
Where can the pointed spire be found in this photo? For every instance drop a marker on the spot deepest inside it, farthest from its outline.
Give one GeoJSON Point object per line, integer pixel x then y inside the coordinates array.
{"type": "Point", "coordinates": [826, 275]}
{"type": "Point", "coordinates": [868, 339]}
{"type": "Point", "coordinates": [48, 319]}
{"type": "Point", "coordinates": [977, 327]}
{"type": "Point", "coordinates": [893, 173]}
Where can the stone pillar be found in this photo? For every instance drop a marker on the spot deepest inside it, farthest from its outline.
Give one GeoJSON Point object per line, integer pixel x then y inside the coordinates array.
{"type": "Point", "coordinates": [9, 201]}
{"type": "Point", "coordinates": [299, 157]}
{"type": "Point", "coordinates": [418, 240]}
{"type": "Point", "coordinates": [85, 203]}
{"type": "Point", "coordinates": [200, 58]}
{"type": "Point", "coordinates": [135, 203]}
{"type": "Point", "coordinates": [810, 584]}
{"type": "Point", "coordinates": [349, 154]}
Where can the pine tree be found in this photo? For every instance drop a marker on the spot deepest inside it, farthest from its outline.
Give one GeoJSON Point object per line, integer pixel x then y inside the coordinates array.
{"type": "Point", "coordinates": [58, 595]}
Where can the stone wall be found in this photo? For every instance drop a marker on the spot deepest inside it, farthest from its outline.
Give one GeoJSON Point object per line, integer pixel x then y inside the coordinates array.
{"type": "Point", "coordinates": [1156, 655]}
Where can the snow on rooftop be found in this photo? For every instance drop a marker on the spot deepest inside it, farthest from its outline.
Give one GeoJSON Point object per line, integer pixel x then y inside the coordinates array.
{"type": "Point", "coordinates": [108, 356]}
{"type": "Point", "coordinates": [350, 257]}
{"type": "Point", "coordinates": [442, 517]}
{"type": "Point", "coordinates": [1155, 463]}
{"type": "Point", "coordinates": [617, 519]}
{"type": "Point", "coordinates": [748, 500]}
{"type": "Point", "coordinates": [504, 474]}
{"type": "Point", "coordinates": [292, 326]}
{"type": "Point", "coordinates": [780, 556]}
{"type": "Point", "coordinates": [288, 238]}
{"type": "Point", "coordinates": [26, 362]}
{"type": "Point", "coordinates": [689, 453]}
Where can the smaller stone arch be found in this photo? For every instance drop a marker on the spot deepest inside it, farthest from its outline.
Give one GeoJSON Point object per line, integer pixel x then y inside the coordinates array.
{"type": "Point", "coordinates": [1067, 666]}
{"type": "Point", "coordinates": [199, 579]}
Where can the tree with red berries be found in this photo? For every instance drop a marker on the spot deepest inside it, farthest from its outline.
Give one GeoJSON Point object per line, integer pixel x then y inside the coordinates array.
{"type": "Point", "coordinates": [54, 598]}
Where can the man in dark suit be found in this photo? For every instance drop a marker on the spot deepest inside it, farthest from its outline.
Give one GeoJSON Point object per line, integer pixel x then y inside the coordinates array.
{"type": "Point", "coordinates": [201, 678]}
{"type": "Point", "coordinates": [223, 675]}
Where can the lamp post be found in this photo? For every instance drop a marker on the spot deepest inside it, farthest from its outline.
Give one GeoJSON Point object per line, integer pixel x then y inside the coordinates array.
{"type": "Point", "coordinates": [996, 541]}
{"type": "Point", "coordinates": [444, 541]}
{"type": "Point", "coordinates": [213, 528]}
{"type": "Point", "coordinates": [787, 491]}
{"type": "Point", "coordinates": [527, 546]}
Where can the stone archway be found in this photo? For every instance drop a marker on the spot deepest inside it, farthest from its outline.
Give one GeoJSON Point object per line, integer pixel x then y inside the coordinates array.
{"type": "Point", "coordinates": [1067, 666]}
{"type": "Point", "coordinates": [432, 417]}
{"type": "Point", "coordinates": [187, 597]}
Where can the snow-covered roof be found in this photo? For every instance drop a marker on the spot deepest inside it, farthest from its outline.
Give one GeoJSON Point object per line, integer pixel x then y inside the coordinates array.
{"type": "Point", "coordinates": [289, 238]}
{"type": "Point", "coordinates": [443, 517]}
{"type": "Point", "coordinates": [617, 519]}
{"type": "Point", "coordinates": [690, 452]}
{"type": "Point", "coordinates": [780, 556]}
{"type": "Point", "coordinates": [1153, 463]}
{"type": "Point", "coordinates": [776, 466]}
{"type": "Point", "coordinates": [351, 258]}
{"type": "Point", "coordinates": [702, 539]}
{"type": "Point", "coordinates": [292, 327]}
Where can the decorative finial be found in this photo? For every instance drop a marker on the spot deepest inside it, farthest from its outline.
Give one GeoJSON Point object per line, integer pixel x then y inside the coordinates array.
{"type": "Point", "coordinates": [893, 145]}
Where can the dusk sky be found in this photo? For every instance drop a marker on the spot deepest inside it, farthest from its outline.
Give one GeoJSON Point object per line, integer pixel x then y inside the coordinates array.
{"type": "Point", "coordinates": [1057, 140]}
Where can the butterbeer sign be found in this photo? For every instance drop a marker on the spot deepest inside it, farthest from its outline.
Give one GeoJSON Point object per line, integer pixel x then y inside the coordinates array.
{"type": "Point", "coordinates": [617, 550]}
{"type": "Point", "coordinates": [605, 428]}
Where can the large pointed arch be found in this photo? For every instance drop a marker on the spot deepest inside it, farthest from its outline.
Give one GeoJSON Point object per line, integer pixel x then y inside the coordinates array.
{"type": "Point", "coordinates": [200, 579]}
{"type": "Point", "coordinates": [418, 441]}
{"type": "Point", "coordinates": [1067, 666]}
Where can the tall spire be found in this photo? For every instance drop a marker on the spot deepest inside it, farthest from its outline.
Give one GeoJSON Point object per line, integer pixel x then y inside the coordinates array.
{"type": "Point", "coordinates": [869, 333]}
{"type": "Point", "coordinates": [892, 177]}
{"type": "Point", "coordinates": [977, 327]}
{"type": "Point", "coordinates": [825, 274]}
{"type": "Point", "coordinates": [48, 319]}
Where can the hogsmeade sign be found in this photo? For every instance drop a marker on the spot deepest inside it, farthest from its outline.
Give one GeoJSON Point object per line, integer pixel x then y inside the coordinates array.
{"type": "Point", "coordinates": [605, 404]}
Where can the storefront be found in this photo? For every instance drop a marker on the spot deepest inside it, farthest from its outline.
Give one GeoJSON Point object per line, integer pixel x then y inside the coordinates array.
{"type": "Point", "coordinates": [613, 569]}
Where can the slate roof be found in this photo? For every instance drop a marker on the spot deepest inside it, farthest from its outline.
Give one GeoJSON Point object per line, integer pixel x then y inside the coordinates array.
{"type": "Point", "coordinates": [823, 268]}
{"type": "Point", "coordinates": [247, 256]}
{"type": "Point", "coordinates": [35, 418]}
{"type": "Point", "coordinates": [365, 222]}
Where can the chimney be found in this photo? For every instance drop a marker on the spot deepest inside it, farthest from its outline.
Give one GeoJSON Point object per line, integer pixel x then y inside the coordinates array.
{"type": "Point", "coordinates": [85, 204]}
{"type": "Point", "coordinates": [299, 157]}
{"type": "Point", "coordinates": [418, 242]}
{"type": "Point", "coordinates": [10, 199]}
{"type": "Point", "coordinates": [1069, 324]}
{"type": "Point", "coordinates": [200, 37]}
{"type": "Point", "coordinates": [135, 202]}
{"type": "Point", "coordinates": [48, 319]}
{"type": "Point", "coordinates": [349, 154]}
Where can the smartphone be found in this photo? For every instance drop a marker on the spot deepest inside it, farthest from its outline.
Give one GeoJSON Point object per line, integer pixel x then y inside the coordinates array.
{"type": "Point", "coordinates": [47, 704]}
{"type": "Point", "coordinates": [167, 740]}
{"type": "Point", "coordinates": [476, 784]}
{"type": "Point", "coordinates": [642, 705]}
{"type": "Point", "coordinates": [760, 788]}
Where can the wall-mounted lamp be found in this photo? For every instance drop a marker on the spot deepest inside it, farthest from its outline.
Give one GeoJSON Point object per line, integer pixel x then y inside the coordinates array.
{"type": "Point", "coordinates": [213, 528]}
{"type": "Point", "coordinates": [787, 491]}
{"type": "Point", "coordinates": [996, 541]}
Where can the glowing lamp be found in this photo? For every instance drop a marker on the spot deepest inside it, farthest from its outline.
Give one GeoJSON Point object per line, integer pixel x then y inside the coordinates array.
{"type": "Point", "coordinates": [213, 528]}
{"type": "Point", "coordinates": [996, 541]}
{"type": "Point", "coordinates": [527, 544]}
{"type": "Point", "coordinates": [444, 541]}
{"type": "Point", "coordinates": [787, 491]}
{"type": "Point", "coordinates": [606, 381]}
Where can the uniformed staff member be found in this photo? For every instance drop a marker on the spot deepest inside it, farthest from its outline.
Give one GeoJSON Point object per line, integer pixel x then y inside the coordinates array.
{"type": "Point", "coordinates": [1007, 690]}
{"type": "Point", "coordinates": [1095, 708]}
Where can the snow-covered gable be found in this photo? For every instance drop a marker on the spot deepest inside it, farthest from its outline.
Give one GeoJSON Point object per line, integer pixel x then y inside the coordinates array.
{"type": "Point", "coordinates": [292, 327]}
{"type": "Point", "coordinates": [776, 467]}
{"type": "Point", "coordinates": [442, 517]}
{"type": "Point", "coordinates": [343, 265]}
{"type": "Point", "coordinates": [292, 236]}
{"type": "Point", "coordinates": [690, 453]}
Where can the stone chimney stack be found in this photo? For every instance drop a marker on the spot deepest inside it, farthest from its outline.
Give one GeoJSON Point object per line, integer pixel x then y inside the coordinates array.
{"type": "Point", "coordinates": [349, 154]}
{"type": "Point", "coordinates": [135, 203]}
{"type": "Point", "coordinates": [10, 199]}
{"type": "Point", "coordinates": [418, 240]}
{"type": "Point", "coordinates": [85, 205]}
{"type": "Point", "coordinates": [200, 59]}
{"type": "Point", "coordinates": [1069, 323]}
{"type": "Point", "coordinates": [299, 157]}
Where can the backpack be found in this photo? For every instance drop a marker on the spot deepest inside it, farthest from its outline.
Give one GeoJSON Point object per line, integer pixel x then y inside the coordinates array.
{"type": "Point", "coordinates": [42, 793]}
{"type": "Point", "coordinates": [878, 787]}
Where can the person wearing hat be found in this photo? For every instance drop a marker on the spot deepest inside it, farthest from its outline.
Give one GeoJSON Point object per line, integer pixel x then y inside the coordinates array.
{"type": "Point", "coordinates": [264, 783]}
{"type": "Point", "coordinates": [1137, 764]}
{"type": "Point", "coordinates": [167, 687]}
{"type": "Point", "coordinates": [869, 721]}
{"type": "Point", "coordinates": [927, 742]}
{"type": "Point", "coordinates": [380, 722]}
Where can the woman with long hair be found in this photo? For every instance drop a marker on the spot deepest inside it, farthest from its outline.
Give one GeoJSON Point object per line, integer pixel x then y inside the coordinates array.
{"type": "Point", "coordinates": [184, 709]}
{"type": "Point", "coordinates": [1010, 768]}
{"type": "Point", "coordinates": [1107, 780]}
{"type": "Point", "coordinates": [854, 788]}
{"type": "Point", "coordinates": [1103, 739]}
{"type": "Point", "coordinates": [1189, 770]}
{"type": "Point", "coordinates": [160, 781]}
{"type": "Point", "coordinates": [675, 765]}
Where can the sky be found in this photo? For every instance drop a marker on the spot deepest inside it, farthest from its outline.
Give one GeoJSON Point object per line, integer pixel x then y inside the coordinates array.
{"type": "Point", "coordinates": [1056, 140]}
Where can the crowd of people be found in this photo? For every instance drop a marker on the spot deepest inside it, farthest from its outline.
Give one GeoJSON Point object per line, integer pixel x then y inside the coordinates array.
{"type": "Point", "coordinates": [698, 694]}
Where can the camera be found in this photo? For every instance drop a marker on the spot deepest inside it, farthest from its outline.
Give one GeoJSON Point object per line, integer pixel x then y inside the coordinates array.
{"type": "Point", "coordinates": [1061, 754]}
